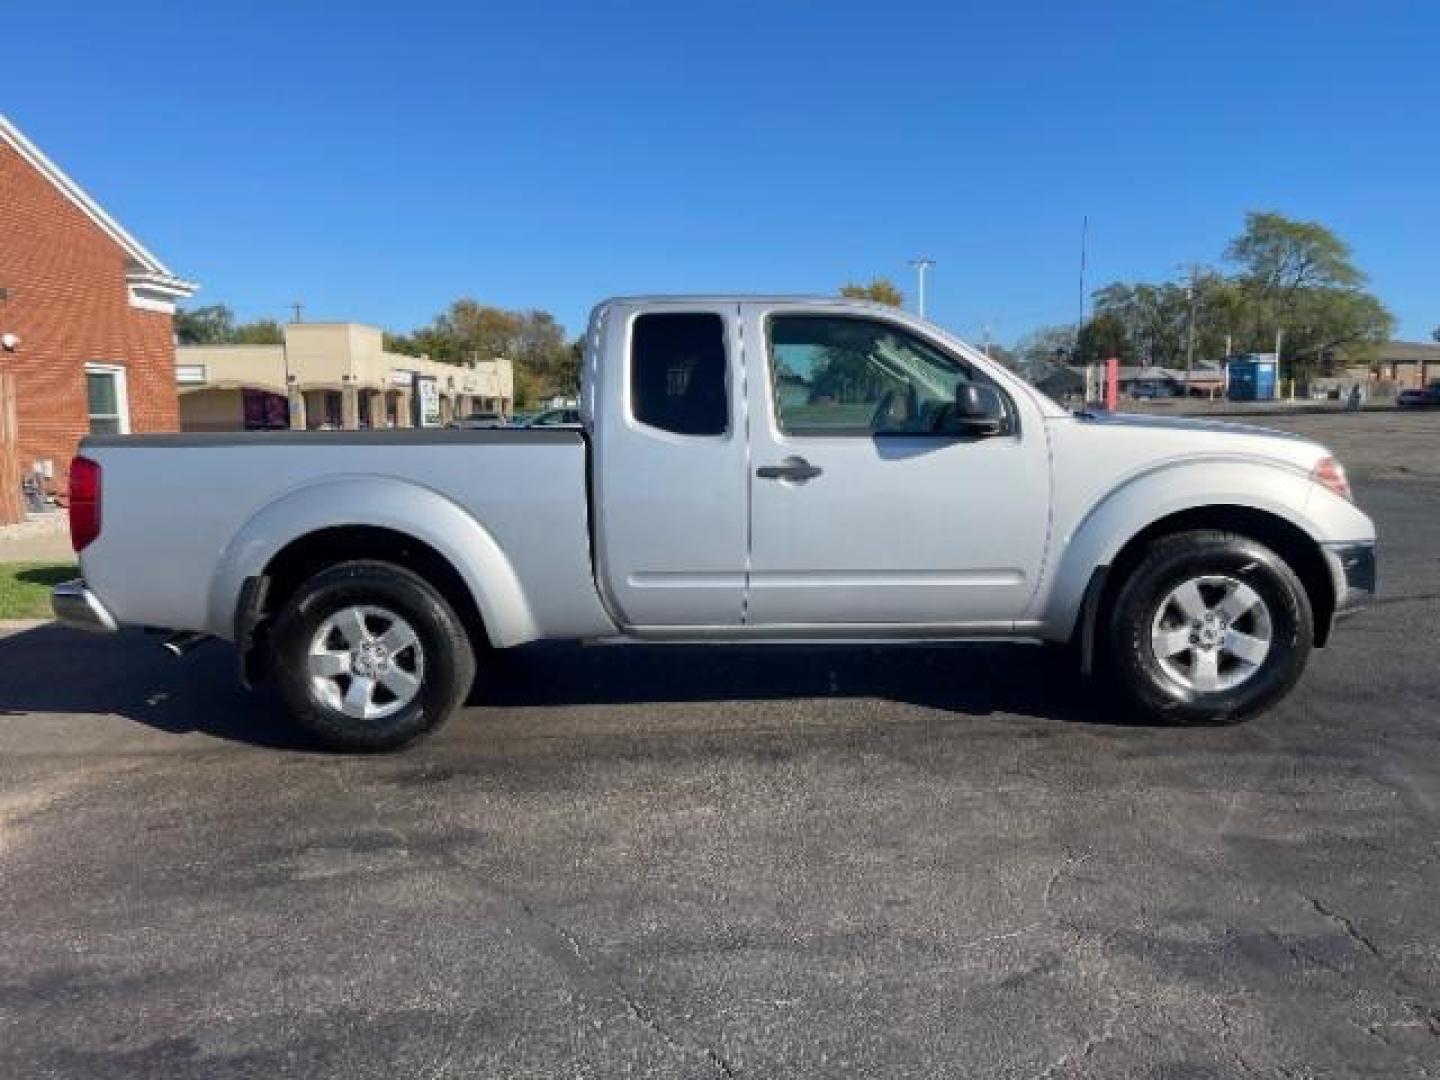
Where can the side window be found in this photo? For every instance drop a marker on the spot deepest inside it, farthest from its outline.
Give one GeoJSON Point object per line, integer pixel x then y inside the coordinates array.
{"type": "Point", "coordinates": [837, 375]}
{"type": "Point", "coordinates": [678, 372]}
{"type": "Point", "coordinates": [105, 393]}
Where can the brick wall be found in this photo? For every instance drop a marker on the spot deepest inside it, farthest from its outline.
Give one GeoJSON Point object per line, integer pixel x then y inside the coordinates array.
{"type": "Point", "coordinates": [69, 303]}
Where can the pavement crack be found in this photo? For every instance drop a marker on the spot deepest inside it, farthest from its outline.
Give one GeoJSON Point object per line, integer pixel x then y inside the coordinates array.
{"type": "Point", "coordinates": [637, 1012]}
{"type": "Point", "coordinates": [1342, 921]}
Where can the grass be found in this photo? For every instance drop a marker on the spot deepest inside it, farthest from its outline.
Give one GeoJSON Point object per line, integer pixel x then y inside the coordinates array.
{"type": "Point", "coordinates": [25, 587]}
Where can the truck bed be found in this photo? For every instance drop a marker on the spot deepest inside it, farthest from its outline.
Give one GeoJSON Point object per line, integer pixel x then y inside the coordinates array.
{"type": "Point", "coordinates": [196, 523]}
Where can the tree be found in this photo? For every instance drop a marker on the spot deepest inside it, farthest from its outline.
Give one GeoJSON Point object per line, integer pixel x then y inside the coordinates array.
{"type": "Point", "coordinates": [1001, 354]}
{"type": "Point", "coordinates": [1279, 253]}
{"type": "Point", "coordinates": [209, 325]}
{"type": "Point", "coordinates": [881, 290]}
{"type": "Point", "coordinates": [1041, 350]}
{"type": "Point", "coordinates": [1292, 277]}
{"type": "Point", "coordinates": [1102, 337]}
{"type": "Point", "coordinates": [1298, 277]}
{"type": "Point", "coordinates": [259, 332]}
{"type": "Point", "coordinates": [1156, 318]}
{"type": "Point", "coordinates": [532, 340]}
{"type": "Point", "coordinates": [404, 344]}
{"type": "Point", "coordinates": [215, 324]}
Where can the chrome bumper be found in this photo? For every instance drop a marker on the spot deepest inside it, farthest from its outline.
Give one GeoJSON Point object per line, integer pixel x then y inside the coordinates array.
{"type": "Point", "coordinates": [1355, 572]}
{"type": "Point", "coordinates": [75, 605]}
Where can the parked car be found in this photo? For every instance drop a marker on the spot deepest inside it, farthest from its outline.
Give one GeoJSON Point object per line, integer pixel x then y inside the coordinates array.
{"type": "Point", "coordinates": [563, 417]}
{"type": "Point", "coordinates": [1419, 398]}
{"type": "Point", "coordinates": [750, 470]}
{"type": "Point", "coordinates": [1152, 390]}
{"type": "Point", "coordinates": [479, 420]}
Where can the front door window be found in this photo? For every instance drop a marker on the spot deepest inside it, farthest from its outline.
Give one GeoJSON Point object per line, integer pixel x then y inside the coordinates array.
{"type": "Point", "coordinates": [836, 375]}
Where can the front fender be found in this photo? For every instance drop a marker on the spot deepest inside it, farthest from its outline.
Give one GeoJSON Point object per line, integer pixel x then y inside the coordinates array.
{"type": "Point", "coordinates": [1104, 528]}
{"type": "Point", "coordinates": [382, 502]}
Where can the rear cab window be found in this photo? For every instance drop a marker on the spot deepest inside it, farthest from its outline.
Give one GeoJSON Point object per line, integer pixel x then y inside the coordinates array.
{"type": "Point", "coordinates": [679, 372]}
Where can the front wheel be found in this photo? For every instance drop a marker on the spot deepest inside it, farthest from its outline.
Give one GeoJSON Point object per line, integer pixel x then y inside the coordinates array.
{"type": "Point", "coordinates": [369, 657]}
{"type": "Point", "coordinates": [1209, 627]}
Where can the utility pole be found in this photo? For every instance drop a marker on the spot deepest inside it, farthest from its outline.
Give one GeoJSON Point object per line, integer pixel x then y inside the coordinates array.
{"type": "Point", "coordinates": [299, 308]}
{"type": "Point", "coordinates": [1279, 340]}
{"type": "Point", "coordinates": [922, 264]}
{"type": "Point", "coordinates": [1190, 334]}
{"type": "Point", "coordinates": [1084, 236]}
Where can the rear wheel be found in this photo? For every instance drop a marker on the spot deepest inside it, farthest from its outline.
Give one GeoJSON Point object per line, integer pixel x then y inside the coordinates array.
{"type": "Point", "coordinates": [1210, 627]}
{"type": "Point", "coordinates": [369, 656]}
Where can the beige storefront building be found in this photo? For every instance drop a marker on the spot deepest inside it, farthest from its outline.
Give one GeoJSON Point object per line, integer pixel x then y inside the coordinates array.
{"type": "Point", "coordinates": [331, 375]}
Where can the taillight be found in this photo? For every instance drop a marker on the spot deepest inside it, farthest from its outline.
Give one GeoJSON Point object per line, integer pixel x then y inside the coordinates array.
{"type": "Point", "coordinates": [1331, 473]}
{"type": "Point", "coordinates": [84, 502]}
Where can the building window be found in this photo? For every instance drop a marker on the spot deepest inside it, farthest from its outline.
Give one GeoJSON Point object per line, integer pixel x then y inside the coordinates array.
{"type": "Point", "coordinates": [265, 411]}
{"type": "Point", "coordinates": [108, 403]}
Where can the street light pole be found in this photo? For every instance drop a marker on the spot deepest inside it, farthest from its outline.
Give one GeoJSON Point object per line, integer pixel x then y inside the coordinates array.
{"type": "Point", "coordinates": [922, 264]}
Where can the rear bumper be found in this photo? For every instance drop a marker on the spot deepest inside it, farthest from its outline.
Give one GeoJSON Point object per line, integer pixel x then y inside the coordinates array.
{"type": "Point", "coordinates": [1354, 569]}
{"type": "Point", "coordinates": [75, 605]}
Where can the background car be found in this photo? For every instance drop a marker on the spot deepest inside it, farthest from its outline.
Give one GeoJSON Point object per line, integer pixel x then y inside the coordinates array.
{"type": "Point", "coordinates": [480, 420]}
{"type": "Point", "coordinates": [1418, 398]}
{"type": "Point", "coordinates": [1151, 390]}
{"type": "Point", "coordinates": [563, 417]}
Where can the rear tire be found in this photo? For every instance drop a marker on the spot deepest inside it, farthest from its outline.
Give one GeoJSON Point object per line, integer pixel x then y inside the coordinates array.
{"type": "Point", "coordinates": [1211, 627]}
{"type": "Point", "coordinates": [370, 657]}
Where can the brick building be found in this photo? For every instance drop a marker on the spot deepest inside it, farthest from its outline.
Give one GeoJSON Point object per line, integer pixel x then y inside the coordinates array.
{"type": "Point", "coordinates": [92, 310]}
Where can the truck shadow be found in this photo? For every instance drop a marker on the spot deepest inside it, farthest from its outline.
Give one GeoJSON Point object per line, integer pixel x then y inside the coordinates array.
{"type": "Point", "coordinates": [977, 679]}
{"type": "Point", "coordinates": [50, 670]}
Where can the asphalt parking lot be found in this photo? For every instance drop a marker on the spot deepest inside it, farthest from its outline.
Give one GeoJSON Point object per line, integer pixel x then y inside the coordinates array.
{"type": "Point", "coordinates": [736, 862]}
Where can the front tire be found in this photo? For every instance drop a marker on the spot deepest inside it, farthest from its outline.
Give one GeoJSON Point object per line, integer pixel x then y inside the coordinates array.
{"type": "Point", "coordinates": [1210, 627]}
{"type": "Point", "coordinates": [370, 657]}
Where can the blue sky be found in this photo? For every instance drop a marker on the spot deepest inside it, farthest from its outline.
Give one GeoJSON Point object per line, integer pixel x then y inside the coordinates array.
{"type": "Point", "coordinates": [378, 160]}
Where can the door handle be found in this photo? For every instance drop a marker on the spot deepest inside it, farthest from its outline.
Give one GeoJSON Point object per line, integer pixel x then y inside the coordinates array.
{"type": "Point", "coordinates": [792, 468]}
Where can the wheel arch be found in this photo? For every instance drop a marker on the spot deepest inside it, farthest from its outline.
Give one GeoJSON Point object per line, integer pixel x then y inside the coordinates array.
{"type": "Point", "coordinates": [1293, 544]}
{"type": "Point", "coordinates": [370, 518]}
{"type": "Point", "coordinates": [1300, 551]}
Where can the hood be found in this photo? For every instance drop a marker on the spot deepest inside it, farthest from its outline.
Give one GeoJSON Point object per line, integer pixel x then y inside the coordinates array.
{"type": "Point", "coordinates": [1183, 423]}
{"type": "Point", "coordinates": [1152, 438]}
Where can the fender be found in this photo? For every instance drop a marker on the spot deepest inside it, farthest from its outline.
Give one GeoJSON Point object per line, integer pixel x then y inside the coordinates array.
{"type": "Point", "coordinates": [385, 502]}
{"type": "Point", "coordinates": [1277, 488]}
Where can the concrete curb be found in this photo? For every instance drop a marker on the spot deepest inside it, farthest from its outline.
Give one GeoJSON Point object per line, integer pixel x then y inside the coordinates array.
{"type": "Point", "coordinates": [16, 626]}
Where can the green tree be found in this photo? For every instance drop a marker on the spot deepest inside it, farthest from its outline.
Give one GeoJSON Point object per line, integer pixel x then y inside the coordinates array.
{"type": "Point", "coordinates": [1102, 337]}
{"type": "Point", "coordinates": [532, 340]}
{"type": "Point", "coordinates": [1291, 277]}
{"type": "Point", "coordinates": [1298, 277]}
{"type": "Point", "coordinates": [259, 332]}
{"type": "Point", "coordinates": [1280, 253]}
{"type": "Point", "coordinates": [212, 324]}
{"type": "Point", "coordinates": [881, 290]}
{"type": "Point", "coordinates": [404, 344]}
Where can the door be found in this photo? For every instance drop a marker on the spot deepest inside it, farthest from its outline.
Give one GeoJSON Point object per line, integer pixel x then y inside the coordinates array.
{"type": "Point", "coordinates": [670, 475]}
{"type": "Point", "coordinates": [867, 504]}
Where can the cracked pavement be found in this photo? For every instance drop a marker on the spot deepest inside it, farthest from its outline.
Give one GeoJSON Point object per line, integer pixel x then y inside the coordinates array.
{"type": "Point", "coordinates": [739, 862]}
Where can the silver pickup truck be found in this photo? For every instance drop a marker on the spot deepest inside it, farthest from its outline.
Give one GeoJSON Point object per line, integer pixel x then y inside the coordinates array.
{"type": "Point", "coordinates": [747, 470]}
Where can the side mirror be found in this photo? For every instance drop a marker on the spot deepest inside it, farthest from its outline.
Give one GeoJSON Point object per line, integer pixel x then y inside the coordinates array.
{"type": "Point", "coordinates": [979, 410]}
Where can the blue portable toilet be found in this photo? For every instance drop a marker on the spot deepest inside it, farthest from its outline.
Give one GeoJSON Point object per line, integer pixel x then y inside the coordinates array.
{"type": "Point", "coordinates": [1252, 377]}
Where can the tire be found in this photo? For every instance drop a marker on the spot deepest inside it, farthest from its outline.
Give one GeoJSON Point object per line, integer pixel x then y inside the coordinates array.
{"type": "Point", "coordinates": [369, 657]}
{"type": "Point", "coordinates": [1194, 657]}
